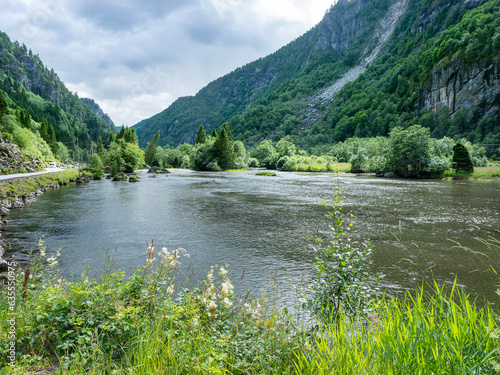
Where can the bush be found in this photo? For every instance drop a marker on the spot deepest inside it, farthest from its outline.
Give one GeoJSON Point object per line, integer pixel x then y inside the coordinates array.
{"type": "Point", "coordinates": [342, 284]}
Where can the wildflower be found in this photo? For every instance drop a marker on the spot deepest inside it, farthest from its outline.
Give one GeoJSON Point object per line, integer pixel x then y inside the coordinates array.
{"type": "Point", "coordinates": [227, 303]}
{"type": "Point", "coordinates": [496, 366]}
{"type": "Point", "coordinates": [210, 276]}
{"type": "Point", "coordinates": [73, 310]}
{"type": "Point", "coordinates": [187, 256]}
{"type": "Point", "coordinates": [212, 306]}
{"type": "Point", "coordinates": [226, 288]}
{"type": "Point", "coordinates": [222, 272]}
{"type": "Point", "coordinates": [170, 290]}
{"type": "Point", "coordinates": [495, 334]}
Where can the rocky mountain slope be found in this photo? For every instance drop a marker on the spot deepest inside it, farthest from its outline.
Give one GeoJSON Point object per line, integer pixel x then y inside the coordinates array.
{"type": "Point", "coordinates": [368, 66]}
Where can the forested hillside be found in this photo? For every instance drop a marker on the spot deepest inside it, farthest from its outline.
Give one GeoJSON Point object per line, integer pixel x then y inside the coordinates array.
{"type": "Point", "coordinates": [439, 68]}
{"type": "Point", "coordinates": [42, 116]}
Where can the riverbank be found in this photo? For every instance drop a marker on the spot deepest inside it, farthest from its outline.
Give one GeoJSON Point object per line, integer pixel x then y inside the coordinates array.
{"type": "Point", "coordinates": [18, 193]}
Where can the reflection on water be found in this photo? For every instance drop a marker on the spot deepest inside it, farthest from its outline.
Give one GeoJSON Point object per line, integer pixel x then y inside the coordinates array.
{"type": "Point", "coordinates": [259, 224]}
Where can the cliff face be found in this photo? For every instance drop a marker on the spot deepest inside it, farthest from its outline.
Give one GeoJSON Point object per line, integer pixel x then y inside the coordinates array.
{"type": "Point", "coordinates": [340, 26]}
{"type": "Point", "coordinates": [463, 87]}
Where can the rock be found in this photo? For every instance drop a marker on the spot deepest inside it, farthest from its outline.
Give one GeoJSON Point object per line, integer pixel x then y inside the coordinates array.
{"type": "Point", "coordinates": [7, 203]}
{"type": "Point", "coordinates": [4, 265]}
{"type": "Point", "coordinates": [460, 86]}
{"type": "Point", "coordinates": [17, 204]}
{"type": "Point", "coordinates": [133, 179]}
{"type": "Point", "coordinates": [12, 160]}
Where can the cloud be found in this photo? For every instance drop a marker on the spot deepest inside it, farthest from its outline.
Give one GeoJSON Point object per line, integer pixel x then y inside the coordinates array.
{"type": "Point", "coordinates": [136, 57]}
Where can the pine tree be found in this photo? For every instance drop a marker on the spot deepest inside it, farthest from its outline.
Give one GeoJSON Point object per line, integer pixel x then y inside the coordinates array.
{"type": "Point", "coordinates": [4, 108]}
{"type": "Point", "coordinates": [100, 146]}
{"type": "Point", "coordinates": [200, 135]}
{"type": "Point", "coordinates": [461, 160]}
{"type": "Point", "coordinates": [224, 148]}
{"type": "Point", "coordinates": [149, 154]}
{"type": "Point", "coordinates": [214, 133]}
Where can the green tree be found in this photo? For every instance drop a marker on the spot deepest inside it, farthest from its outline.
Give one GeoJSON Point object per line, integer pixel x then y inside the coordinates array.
{"type": "Point", "coordinates": [265, 154]}
{"type": "Point", "coordinates": [4, 109]}
{"type": "Point", "coordinates": [224, 148]}
{"type": "Point", "coordinates": [461, 160]}
{"type": "Point", "coordinates": [149, 154]}
{"type": "Point", "coordinates": [96, 165]}
{"type": "Point", "coordinates": [126, 156]}
{"type": "Point", "coordinates": [200, 135]}
{"type": "Point", "coordinates": [409, 151]}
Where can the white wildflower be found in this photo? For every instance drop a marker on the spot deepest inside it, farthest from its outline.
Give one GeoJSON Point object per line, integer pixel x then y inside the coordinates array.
{"type": "Point", "coordinates": [210, 276]}
{"type": "Point", "coordinates": [226, 288]}
{"type": "Point", "coordinates": [170, 290]}
{"type": "Point", "coordinates": [222, 272]}
{"type": "Point", "coordinates": [495, 334]}
{"type": "Point", "coordinates": [227, 303]}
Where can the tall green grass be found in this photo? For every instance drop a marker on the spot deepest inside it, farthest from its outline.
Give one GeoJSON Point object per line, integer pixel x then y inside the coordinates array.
{"type": "Point", "coordinates": [435, 332]}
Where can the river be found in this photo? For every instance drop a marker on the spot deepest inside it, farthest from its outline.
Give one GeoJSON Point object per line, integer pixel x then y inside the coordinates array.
{"type": "Point", "coordinates": [259, 224]}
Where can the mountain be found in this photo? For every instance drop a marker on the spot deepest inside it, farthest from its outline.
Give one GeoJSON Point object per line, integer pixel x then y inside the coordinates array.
{"type": "Point", "coordinates": [35, 93]}
{"type": "Point", "coordinates": [98, 110]}
{"type": "Point", "coordinates": [367, 67]}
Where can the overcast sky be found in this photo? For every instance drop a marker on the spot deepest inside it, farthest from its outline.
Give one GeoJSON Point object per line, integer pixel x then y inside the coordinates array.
{"type": "Point", "coordinates": [135, 57]}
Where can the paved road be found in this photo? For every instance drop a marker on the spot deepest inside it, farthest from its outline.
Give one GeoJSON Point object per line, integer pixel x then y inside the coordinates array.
{"type": "Point", "coordinates": [17, 176]}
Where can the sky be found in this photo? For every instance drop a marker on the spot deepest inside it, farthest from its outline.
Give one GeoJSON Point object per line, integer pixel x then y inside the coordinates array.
{"type": "Point", "coordinates": [136, 57]}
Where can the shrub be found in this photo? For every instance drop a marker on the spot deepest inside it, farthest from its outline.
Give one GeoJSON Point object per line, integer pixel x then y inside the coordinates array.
{"type": "Point", "coordinates": [342, 284]}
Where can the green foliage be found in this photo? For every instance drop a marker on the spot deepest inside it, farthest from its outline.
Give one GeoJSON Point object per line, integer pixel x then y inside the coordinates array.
{"type": "Point", "coordinates": [223, 149]}
{"type": "Point", "coordinates": [265, 173]}
{"type": "Point", "coordinates": [96, 165]}
{"type": "Point", "coordinates": [4, 109]}
{"type": "Point", "coordinates": [435, 332]}
{"type": "Point", "coordinates": [126, 156]}
{"type": "Point", "coordinates": [409, 152]}
{"type": "Point", "coordinates": [461, 160]}
{"type": "Point", "coordinates": [150, 153]}
{"type": "Point", "coordinates": [342, 284]}
{"type": "Point", "coordinates": [200, 135]}
{"type": "Point", "coordinates": [139, 322]}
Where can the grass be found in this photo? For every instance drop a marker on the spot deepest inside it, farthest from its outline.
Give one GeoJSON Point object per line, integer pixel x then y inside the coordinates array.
{"type": "Point", "coordinates": [430, 333]}
{"type": "Point", "coordinates": [265, 173]}
{"type": "Point", "coordinates": [480, 173]}
{"type": "Point", "coordinates": [320, 167]}
{"type": "Point", "coordinates": [26, 186]}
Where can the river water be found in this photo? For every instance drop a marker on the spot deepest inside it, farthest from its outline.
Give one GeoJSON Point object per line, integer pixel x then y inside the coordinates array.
{"type": "Point", "coordinates": [258, 225]}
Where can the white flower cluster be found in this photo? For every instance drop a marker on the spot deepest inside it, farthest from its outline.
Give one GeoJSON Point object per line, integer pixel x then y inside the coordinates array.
{"type": "Point", "coordinates": [255, 311]}
{"type": "Point", "coordinates": [53, 260]}
{"type": "Point", "coordinates": [169, 259]}
{"type": "Point", "coordinates": [211, 297]}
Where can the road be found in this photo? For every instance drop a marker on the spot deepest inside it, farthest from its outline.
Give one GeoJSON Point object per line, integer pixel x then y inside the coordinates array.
{"type": "Point", "coordinates": [17, 176]}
